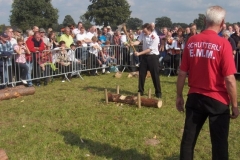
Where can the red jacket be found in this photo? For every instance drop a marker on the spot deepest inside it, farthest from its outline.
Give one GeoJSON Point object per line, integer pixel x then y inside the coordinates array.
{"type": "Point", "coordinates": [31, 46]}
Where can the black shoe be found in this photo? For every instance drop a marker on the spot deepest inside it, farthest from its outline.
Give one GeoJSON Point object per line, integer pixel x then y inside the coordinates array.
{"type": "Point", "coordinates": [38, 84]}
{"type": "Point", "coordinates": [159, 95]}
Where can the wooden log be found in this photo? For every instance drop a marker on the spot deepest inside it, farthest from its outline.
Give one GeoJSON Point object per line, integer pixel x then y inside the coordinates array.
{"type": "Point", "coordinates": [3, 155]}
{"type": "Point", "coordinates": [15, 92]}
{"type": "Point", "coordinates": [133, 100]}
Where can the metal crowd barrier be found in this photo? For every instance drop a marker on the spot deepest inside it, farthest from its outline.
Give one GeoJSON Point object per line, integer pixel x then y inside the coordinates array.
{"type": "Point", "coordinates": [57, 62]}
{"type": "Point", "coordinates": [66, 63]}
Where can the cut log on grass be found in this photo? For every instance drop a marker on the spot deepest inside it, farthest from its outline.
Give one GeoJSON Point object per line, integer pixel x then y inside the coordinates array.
{"type": "Point", "coordinates": [118, 74]}
{"type": "Point", "coordinates": [136, 74]}
{"type": "Point", "coordinates": [3, 155]}
{"type": "Point", "coordinates": [132, 100]}
{"type": "Point", "coordinates": [16, 92]}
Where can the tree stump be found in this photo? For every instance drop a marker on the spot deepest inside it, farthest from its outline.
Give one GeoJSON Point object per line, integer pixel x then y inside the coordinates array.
{"type": "Point", "coordinates": [16, 92]}
{"type": "Point", "coordinates": [132, 100]}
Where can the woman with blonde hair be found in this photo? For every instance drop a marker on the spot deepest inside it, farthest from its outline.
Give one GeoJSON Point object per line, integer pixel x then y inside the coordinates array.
{"type": "Point", "coordinates": [21, 49]}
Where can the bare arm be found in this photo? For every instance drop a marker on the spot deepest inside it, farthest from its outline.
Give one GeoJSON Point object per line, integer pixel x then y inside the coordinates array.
{"type": "Point", "coordinates": [232, 92]}
{"type": "Point", "coordinates": [135, 43]}
{"type": "Point", "coordinates": [26, 49]}
{"type": "Point", "coordinates": [143, 52]}
{"type": "Point", "coordinates": [180, 84]}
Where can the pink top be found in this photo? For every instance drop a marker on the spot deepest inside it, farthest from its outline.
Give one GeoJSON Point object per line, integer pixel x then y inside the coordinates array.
{"type": "Point", "coordinates": [20, 58]}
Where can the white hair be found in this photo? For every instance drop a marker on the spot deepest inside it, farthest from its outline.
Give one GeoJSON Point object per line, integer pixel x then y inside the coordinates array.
{"type": "Point", "coordinates": [29, 32]}
{"type": "Point", "coordinates": [226, 32]}
{"type": "Point", "coordinates": [215, 15]}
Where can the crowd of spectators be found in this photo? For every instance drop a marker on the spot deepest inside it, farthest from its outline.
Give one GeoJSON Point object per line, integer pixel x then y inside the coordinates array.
{"type": "Point", "coordinates": [32, 55]}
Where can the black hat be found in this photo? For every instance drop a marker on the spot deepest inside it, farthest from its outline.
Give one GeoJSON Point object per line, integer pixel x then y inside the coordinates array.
{"type": "Point", "coordinates": [4, 35]}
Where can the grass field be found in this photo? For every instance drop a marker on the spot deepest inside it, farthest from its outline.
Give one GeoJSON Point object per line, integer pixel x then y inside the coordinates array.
{"type": "Point", "coordinates": [71, 121]}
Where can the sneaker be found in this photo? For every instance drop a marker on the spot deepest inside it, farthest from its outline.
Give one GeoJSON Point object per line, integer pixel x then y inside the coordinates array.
{"type": "Point", "coordinates": [107, 72]}
{"type": "Point", "coordinates": [63, 80]}
{"type": "Point", "coordinates": [137, 65]}
{"type": "Point", "coordinates": [24, 81]}
{"type": "Point", "coordinates": [38, 84]}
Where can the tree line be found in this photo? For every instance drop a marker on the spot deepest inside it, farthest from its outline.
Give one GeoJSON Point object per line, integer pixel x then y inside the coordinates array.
{"type": "Point", "coordinates": [27, 13]}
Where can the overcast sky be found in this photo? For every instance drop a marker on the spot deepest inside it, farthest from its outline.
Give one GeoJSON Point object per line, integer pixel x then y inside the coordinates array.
{"type": "Point", "coordinates": [184, 11]}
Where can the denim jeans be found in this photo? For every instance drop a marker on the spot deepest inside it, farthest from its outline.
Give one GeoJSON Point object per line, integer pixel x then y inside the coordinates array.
{"type": "Point", "coordinates": [29, 77]}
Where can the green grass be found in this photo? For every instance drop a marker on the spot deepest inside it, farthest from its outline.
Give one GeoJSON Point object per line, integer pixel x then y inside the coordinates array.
{"type": "Point", "coordinates": [71, 121]}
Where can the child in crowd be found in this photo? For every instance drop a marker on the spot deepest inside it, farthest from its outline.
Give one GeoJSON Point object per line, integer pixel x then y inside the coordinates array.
{"type": "Point", "coordinates": [108, 56]}
{"type": "Point", "coordinates": [45, 58]}
{"type": "Point", "coordinates": [71, 54]}
{"type": "Point", "coordinates": [162, 51]}
{"type": "Point", "coordinates": [21, 49]}
{"type": "Point", "coordinates": [72, 57]}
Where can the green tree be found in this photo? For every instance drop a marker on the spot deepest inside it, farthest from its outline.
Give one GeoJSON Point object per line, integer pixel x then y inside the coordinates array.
{"type": "Point", "coordinates": [134, 23]}
{"type": "Point", "coordinates": [163, 22]}
{"type": "Point", "coordinates": [68, 20]}
{"type": "Point", "coordinates": [183, 25]}
{"type": "Point", "coordinates": [86, 23]}
{"type": "Point", "coordinates": [108, 12]}
{"type": "Point", "coordinates": [200, 21]}
{"type": "Point", "coordinates": [2, 28]}
{"type": "Point", "coordinates": [27, 13]}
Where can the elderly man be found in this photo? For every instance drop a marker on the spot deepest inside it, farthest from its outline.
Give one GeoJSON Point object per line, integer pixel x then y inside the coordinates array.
{"type": "Point", "coordinates": [66, 37]}
{"type": "Point", "coordinates": [6, 51]}
{"type": "Point", "coordinates": [35, 45]}
{"type": "Point", "coordinates": [210, 70]}
{"type": "Point", "coordinates": [227, 35]}
{"type": "Point", "coordinates": [35, 29]}
{"type": "Point", "coordinates": [9, 32]}
{"type": "Point", "coordinates": [109, 30]}
{"type": "Point", "coordinates": [44, 37]}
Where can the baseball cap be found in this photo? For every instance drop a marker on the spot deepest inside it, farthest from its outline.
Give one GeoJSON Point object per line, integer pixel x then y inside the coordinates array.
{"type": "Point", "coordinates": [4, 35]}
{"type": "Point", "coordinates": [41, 30]}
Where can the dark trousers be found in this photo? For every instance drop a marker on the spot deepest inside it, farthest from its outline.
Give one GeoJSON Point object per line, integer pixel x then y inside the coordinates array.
{"type": "Point", "coordinates": [151, 63]}
{"type": "Point", "coordinates": [198, 109]}
{"type": "Point", "coordinates": [22, 70]}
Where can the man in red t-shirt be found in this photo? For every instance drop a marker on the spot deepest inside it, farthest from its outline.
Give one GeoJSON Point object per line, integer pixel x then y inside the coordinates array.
{"type": "Point", "coordinates": [207, 58]}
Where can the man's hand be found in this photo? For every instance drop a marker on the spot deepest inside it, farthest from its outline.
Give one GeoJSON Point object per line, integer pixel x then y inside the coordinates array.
{"type": "Point", "coordinates": [235, 112]}
{"type": "Point", "coordinates": [180, 103]}
{"type": "Point", "coordinates": [136, 53]}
